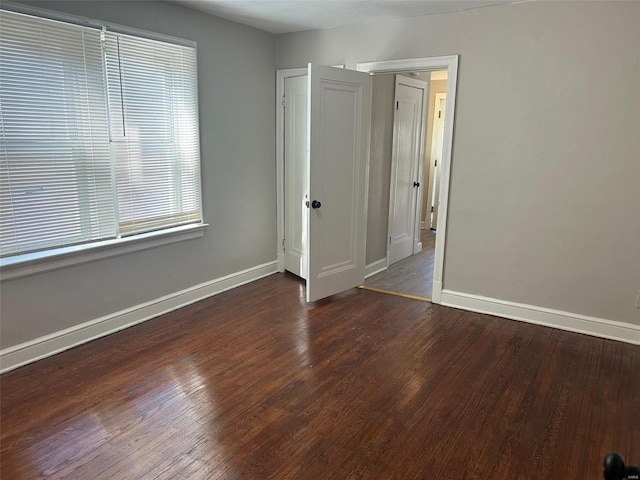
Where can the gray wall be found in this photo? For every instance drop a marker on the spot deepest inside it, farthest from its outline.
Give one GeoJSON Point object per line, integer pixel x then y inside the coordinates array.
{"type": "Point", "coordinates": [545, 182]}
{"type": "Point", "coordinates": [236, 75]}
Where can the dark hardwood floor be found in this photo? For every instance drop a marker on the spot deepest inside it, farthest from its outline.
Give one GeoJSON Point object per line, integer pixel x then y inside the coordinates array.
{"type": "Point", "coordinates": [254, 383]}
{"type": "Point", "coordinates": [412, 275]}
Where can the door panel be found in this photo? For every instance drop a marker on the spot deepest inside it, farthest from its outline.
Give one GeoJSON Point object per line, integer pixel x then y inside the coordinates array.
{"type": "Point", "coordinates": [407, 147]}
{"type": "Point", "coordinates": [295, 174]}
{"type": "Point", "coordinates": [339, 118]}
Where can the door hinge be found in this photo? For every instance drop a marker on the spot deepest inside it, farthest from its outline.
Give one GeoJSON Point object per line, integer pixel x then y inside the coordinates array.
{"type": "Point", "coordinates": [435, 164]}
{"type": "Point", "coordinates": [284, 101]}
{"type": "Point", "coordinates": [283, 244]}
{"type": "Point", "coordinates": [389, 240]}
{"type": "Point", "coordinates": [397, 104]}
{"type": "Point", "coordinates": [431, 209]}
{"type": "Point", "coordinates": [439, 113]}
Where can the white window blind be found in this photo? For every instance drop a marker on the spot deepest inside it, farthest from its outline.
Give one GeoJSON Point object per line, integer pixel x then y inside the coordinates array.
{"type": "Point", "coordinates": [99, 134]}
{"type": "Point", "coordinates": [153, 109]}
{"type": "Point", "coordinates": [55, 169]}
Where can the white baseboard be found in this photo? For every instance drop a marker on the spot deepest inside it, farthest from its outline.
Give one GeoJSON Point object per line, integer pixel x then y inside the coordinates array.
{"type": "Point", "coordinates": [573, 322]}
{"type": "Point", "coordinates": [375, 267]}
{"type": "Point", "coordinates": [45, 346]}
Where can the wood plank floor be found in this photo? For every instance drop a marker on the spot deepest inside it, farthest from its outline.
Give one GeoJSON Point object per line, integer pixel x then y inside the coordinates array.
{"type": "Point", "coordinates": [412, 275]}
{"type": "Point", "coordinates": [254, 383]}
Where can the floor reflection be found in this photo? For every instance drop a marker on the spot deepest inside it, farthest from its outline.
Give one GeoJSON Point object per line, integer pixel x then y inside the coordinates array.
{"type": "Point", "coordinates": [127, 423]}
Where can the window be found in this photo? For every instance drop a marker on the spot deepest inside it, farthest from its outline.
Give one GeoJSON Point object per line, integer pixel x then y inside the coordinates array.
{"type": "Point", "coordinates": [98, 135]}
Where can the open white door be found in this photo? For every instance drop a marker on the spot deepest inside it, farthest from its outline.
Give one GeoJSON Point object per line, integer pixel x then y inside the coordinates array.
{"type": "Point", "coordinates": [339, 123]}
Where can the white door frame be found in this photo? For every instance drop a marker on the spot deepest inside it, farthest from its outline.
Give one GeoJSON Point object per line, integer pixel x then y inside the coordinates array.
{"type": "Point", "coordinates": [449, 63]}
{"type": "Point", "coordinates": [281, 75]}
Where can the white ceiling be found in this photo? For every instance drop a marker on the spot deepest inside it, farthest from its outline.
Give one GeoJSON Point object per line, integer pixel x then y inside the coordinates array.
{"type": "Point", "coordinates": [284, 16]}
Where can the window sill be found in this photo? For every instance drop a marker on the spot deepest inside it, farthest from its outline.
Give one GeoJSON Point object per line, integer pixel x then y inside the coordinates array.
{"type": "Point", "coordinates": [32, 263]}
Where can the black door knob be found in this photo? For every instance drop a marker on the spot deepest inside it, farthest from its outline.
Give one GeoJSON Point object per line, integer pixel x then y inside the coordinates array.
{"type": "Point", "coordinates": [615, 469]}
{"type": "Point", "coordinates": [316, 204]}
{"type": "Point", "coordinates": [416, 184]}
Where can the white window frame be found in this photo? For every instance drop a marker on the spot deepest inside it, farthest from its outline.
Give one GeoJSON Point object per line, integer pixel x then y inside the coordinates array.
{"type": "Point", "coordinates": [52, 259]}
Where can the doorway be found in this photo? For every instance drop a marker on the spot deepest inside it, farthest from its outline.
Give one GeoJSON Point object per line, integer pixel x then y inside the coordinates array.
{"type": "Point", "coordinates": [412, 219]}
{"type": "Point", "coordinates": [402, 273]}
{"type": "Point", "coordinates": [294, 241]}
{"type": "Point", "coordinates": [448, 63]}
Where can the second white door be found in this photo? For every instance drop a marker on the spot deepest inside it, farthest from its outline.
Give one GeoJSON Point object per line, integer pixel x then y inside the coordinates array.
{"type": "Point", "coordinates": [407, 154]}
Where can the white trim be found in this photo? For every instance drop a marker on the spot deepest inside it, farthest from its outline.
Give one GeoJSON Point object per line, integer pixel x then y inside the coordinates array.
{"type": "Point", "coordinates": [409, 64]}
{"type": "Point", "coordinates": [437, 290]}
{"type": "Point", "coordinates": [45, 346]}
{"type": "Point", "coordinates": [449, 63]}
{"type": "Point", "coordinates": [281, 76]}
{"type": "Point", "coordinates": [573, 322]}
{"type": "Point", "coordinates": [375, 267]}
{"type": "Point", "coordinates": [38, 262]}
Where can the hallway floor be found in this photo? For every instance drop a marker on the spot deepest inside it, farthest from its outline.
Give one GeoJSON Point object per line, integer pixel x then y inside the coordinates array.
{"type": "Point", "coordinates": [412, 275]}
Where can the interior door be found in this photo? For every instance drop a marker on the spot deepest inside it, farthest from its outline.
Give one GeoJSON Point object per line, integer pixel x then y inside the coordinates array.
{"type": "Point", "coordinates": [295, 174]}
{"type": "Point", "coordinates": [339, 113]}
{"type": "Point", "coordinates": [408, 123]}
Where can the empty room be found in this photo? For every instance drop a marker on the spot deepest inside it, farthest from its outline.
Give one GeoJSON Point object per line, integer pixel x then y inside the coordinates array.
{"type": "Point", "coordinates": [198, 195]}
